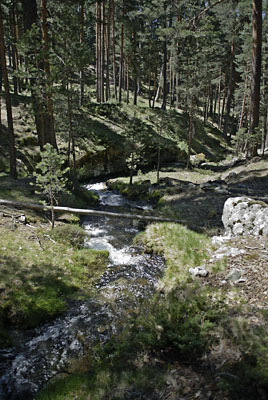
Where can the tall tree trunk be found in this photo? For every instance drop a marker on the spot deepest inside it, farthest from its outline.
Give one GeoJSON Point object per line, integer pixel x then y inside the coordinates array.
{"type": "Point", "coordinates": [223, 101]}
{"type": "Point", "coordinates": [98, 51]}
{"type": "Point", "coordinates": [219, 100]}
{"type": "Point", "coordinates": [127, 78]}
{"type": "Point", "coordinates": [121, 63]}
{"type": "Point", "coordinates": [48, 82]}
{"type": "Point", "coordinates": [158, 91]}
{"type": "Point", "coordinates": [71, 144]}
{"type": "Point", "coordinates": [164, 101]}
{"type": "Point", "coordinates": [103, 31]}
{"type": "Point", "coordinates": [244, 100]}
{"type": "Point", "coordinates": [230, 92]}
{"type": "Point", "coordinates": [12, 148]}
{"type": "Point", "coordinates": [114, 55]}
{"type": "Point", "coordinates": [256, 71]}
{"type": "Point", "coordinates": [190, 134]}
{"type": "Point", "coordinates": [0, 98]}
{"type": "Point", "coordinates": [108, 44]}
{"type": "Point", "coordinates": [15, 58]}
{"type": "Point", "coordinates": [82, 40]}
{"type": "Point", "coordinates": [177, 90]}
{"type": "Point", "coordinates": [30, 17]}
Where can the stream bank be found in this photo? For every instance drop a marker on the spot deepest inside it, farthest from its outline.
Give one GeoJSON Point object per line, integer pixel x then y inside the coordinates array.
{"type": "Point", "coordinates": [64, 345]}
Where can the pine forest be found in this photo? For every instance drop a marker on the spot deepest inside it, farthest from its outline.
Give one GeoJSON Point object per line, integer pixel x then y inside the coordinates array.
{"type": "Point", "coordinates": [133, 199]}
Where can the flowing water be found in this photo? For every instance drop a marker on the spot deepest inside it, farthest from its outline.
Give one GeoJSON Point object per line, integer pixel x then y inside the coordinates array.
{"type": "Point", "coordinates": [64, 345]}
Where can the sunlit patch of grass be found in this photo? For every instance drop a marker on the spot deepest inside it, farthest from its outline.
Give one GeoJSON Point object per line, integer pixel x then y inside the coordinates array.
{"type": "Point", "coordinates": [68, 388]}
{"type": "Point", "coordinates": [181, 248]}
{"type": "Point", "coordinates": [39, 274]}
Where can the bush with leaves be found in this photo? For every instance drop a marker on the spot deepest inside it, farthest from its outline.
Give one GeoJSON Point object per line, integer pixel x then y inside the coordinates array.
{"type": "Point", "coordinates": [51, 177]}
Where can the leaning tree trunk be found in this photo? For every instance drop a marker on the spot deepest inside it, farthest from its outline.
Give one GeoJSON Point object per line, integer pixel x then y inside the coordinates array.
{"type": "Point", "coordinates": [12, 148]}
{"type": "Point", "coordinates": [256, 71]}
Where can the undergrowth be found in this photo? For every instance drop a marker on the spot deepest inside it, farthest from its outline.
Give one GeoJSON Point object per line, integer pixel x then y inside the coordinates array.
{"type": "Point", "coordinates": [132, 363]}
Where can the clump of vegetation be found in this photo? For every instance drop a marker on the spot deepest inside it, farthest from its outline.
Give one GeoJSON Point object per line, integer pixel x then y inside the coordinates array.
{"type": "Point", "coordinates": [51, 180]}
{"type": "Point", "coordinates": [180, 247]}
{"type": "Point", "coordinates": [72, 234]}
{"type": "Point", "coordinates": [140, 190]}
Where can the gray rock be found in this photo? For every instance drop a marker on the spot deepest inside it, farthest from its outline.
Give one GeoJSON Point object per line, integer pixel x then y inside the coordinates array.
{"type": "Point", "coordinates": [221, 190]}
{"type": "Point", "coordinates": [234, 275]}
{"type": "Point", "coordinates": [199, 271]}
{"type": "Point", "coordinates": [245, 216]}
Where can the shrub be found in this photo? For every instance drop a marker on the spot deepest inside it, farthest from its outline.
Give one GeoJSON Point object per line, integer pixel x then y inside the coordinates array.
{"type": "Point", "coordinates": [72, 234]}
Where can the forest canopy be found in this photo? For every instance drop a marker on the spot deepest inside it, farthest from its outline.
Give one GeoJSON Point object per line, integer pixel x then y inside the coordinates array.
{"type": "Point", "coordinates": [206, 59]}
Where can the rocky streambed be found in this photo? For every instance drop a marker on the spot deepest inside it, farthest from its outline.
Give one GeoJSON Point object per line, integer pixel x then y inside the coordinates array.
{"type": "Point", "coordinates": [64, 345]}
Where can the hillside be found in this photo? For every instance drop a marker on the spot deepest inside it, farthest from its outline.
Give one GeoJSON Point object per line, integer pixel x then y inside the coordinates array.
{"type": "Point", "coordinates": [106, 135]}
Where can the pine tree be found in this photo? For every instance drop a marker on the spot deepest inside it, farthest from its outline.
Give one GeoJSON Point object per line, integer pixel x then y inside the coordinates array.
{"type": "Point", "coordinates": [50, 177]}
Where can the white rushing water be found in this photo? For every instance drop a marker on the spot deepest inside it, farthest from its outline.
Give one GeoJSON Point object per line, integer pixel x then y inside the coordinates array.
{"type": "Point", "coordinates": [49, 349]}
{"type": "Point", "coordinates": [100, 237]}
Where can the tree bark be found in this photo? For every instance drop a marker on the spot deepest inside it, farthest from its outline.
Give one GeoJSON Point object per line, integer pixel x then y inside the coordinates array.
{"type": "Point", "coordinates": [256, 70]}
{"type": "Point", "coordinates": [15, 58]}
{"type": "Point", "coordinates": [190, 135]}
{"type": "Point", "coordinates": [114, 55]}
{"type": "Point", "coordinates": [82, 40]}
{"type": "Point", "coordinates": [164, 101]}
{"type": "Point", "coordinates": [71, 144]}
{"type": "Point", "coordinates": [230, 92]}
{"type": "Point", "coordinates": [30, 17]}
{"type": "Point", "coordinates": [121, 64]}
{"type": "Point", "coordinates": [103, 32]}
{"type": "Point", "coordinates": [244, 100]}
{"type": "Point", "coordinates": [108, 44]}
{"type": "Point", "coordinates": [98, 51]}
{"type": "Point", "coordinates": [48, 83]}
{"type": "Point", "coordinates": [12, 148]}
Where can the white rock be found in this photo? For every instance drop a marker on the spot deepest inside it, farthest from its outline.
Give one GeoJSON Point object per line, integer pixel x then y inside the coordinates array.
{"type": "Point", "coordinates": [234, 275]}
{"type": "Point", "coordinates": [198, 271]}
{"type": "Point", "coordinates": [245, 216]}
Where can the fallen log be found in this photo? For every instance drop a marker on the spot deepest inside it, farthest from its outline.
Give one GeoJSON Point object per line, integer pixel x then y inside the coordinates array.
{"type": "Point", "coordinates": [83, 211]}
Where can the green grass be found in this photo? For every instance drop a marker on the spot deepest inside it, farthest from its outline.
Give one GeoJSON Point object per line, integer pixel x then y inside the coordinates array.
{"type": "Point", "coordinates": [180, 247]}
{"type": "Point", "coordinates": [39, 274]}
{"type": "Point", "coordinates": [68, 388]}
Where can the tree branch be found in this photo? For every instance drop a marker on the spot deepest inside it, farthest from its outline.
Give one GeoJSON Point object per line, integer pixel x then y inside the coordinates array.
{"type": "Point", "coordinates": [196, 18]}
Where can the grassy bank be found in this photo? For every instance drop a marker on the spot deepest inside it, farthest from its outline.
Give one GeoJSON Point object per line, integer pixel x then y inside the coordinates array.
{"type": "Point", "coordinates": [187, 342]}
{"type": "Point", "coordinates": [41, 269]}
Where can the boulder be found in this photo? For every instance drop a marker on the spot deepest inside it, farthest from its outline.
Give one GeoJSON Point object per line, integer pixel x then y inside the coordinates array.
{"type": "Point", "coordinates": [245, 216]}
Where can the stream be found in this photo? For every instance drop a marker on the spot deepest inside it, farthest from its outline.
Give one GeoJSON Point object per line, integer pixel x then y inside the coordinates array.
{"type": "Point", "coordinates": [63, 345]}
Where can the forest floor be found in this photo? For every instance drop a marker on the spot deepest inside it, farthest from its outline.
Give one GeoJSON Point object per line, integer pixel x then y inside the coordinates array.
{"type": "Point", "coordinates": [196, 198]}
{"type": "Point", "coordinates": [200, 206]}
